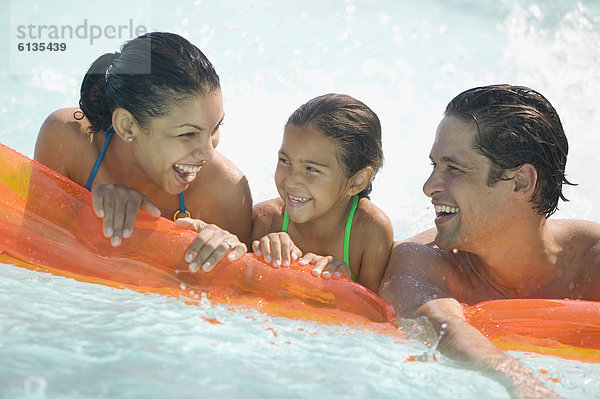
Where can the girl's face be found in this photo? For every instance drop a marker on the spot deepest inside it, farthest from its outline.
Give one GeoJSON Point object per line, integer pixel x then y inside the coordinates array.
{"type": "Point", "coordinates": [174, 147]}
{"type": "Point", "coordinates": [309, 177]}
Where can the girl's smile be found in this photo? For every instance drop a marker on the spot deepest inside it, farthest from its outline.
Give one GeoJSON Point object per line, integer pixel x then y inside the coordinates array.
{"type": "Point", "coordinates": [309, 177]}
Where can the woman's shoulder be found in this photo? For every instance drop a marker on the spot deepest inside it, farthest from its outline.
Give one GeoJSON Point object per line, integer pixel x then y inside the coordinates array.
{"type": "Point", "coordinates": [61, 139]}
{"type": "Point", "coordinates": [65, 119]}
{"type": "Point", "coordinates": [223, 180]}
{"type": "Point", "coordinates": [225, 168]}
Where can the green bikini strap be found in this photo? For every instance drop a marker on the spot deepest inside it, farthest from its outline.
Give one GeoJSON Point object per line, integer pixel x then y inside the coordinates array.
{"type": "Point", "coordinates": [286, 222]}
{"type": "Point", "coordinates": [347, 235]}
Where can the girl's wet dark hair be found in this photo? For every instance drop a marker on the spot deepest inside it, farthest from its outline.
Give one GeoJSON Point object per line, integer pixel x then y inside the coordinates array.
{"type": "Point", "coordinates": [517, 125]}
{"type": "Point", "coordinates": [150, 75]}
{"type": "Point", "coordinates": [353, 126]}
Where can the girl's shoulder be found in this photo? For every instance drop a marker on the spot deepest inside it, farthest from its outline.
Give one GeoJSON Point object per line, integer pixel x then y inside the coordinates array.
{"type": "Point", "coordinates": [267, 217]}
{"type": "Point", "coordinates": [372, 219]}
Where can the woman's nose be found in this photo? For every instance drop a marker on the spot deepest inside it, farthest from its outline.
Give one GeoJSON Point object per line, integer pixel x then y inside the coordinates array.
{"type": "Point", "coordinates": [204, 150]}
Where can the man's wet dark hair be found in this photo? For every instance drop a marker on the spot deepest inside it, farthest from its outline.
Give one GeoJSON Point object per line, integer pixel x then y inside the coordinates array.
{"type": "Point", "coordinates": [517, 125]}
{"type": "Point", "coordinates": [150, 75]}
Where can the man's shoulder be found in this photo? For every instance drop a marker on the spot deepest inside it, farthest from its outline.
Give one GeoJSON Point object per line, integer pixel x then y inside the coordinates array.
{"type": "Point", "coordinates": [580, 235]}
{"type": "Point", "coordinates": [580, 244]}
{"type": "Point", "coordinates": [421, 258]}
{"type": "Point", "coordinates": [416, 274]}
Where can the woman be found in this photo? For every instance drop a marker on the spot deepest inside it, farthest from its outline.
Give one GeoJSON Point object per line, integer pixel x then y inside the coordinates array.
{"type": "Point", "coordinates": [144, 136]}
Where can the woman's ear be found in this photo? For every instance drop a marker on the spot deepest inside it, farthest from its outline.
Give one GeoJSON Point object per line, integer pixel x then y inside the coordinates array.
{"type": "Point", "coordinates": [124, 124]}
{"type": "Point", "coordinates": [525, 180]}
{"type": "Point", "coordinates": [360, 180]}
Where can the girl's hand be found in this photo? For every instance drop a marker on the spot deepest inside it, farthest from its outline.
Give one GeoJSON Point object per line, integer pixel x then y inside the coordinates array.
{"type": "Point", "coordinates": [326, 266]}
{"type": "Point", "coordinates": [118, 207]}
{"type": "Point", "coordinates": [210, 246]}
{"type": "Point", "coordinates": [277, 249]}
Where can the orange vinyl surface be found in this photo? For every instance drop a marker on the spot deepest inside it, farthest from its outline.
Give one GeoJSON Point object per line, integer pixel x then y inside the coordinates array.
{"type": "Point", "coordinates": [47, 224]}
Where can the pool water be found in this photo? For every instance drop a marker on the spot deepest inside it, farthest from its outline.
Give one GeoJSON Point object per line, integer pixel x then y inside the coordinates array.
{"type": "Point", "coordinates": [64, 339]}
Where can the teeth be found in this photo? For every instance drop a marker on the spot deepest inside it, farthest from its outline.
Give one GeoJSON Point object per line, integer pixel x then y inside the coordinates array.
{"type": "Point", "coordinates": [188, 169]}
{"type": "Point", "coordinates": [445, 209]}
{"type": "Point", "coordinates": [298, 199]}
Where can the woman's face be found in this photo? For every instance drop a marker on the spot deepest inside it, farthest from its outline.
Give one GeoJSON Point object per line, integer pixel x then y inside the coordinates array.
{"type": "Point", "coordinates": [172, 148]}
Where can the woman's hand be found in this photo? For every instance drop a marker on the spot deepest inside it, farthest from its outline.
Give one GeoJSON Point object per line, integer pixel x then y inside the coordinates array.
{"type": "Point", "coordinates": [210, 246]}
{"type": "Point", "coordinates": [118, 207]}
{"type": "Point", "coordinates": [277, 249]}
{"type": "Point", "coordinates": [326, 266]}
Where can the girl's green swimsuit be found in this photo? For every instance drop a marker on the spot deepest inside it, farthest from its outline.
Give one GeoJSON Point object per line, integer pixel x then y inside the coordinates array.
{"type": "Point", "coordinates": [286, 222]}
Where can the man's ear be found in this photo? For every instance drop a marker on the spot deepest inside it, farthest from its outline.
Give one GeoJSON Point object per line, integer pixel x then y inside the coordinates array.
{"type": "Point", "coordinates": [124, 124]}
{"type": "Point", "coordinates": [360, 180]}
{"type": "Point", "coordinates": [525, 180]}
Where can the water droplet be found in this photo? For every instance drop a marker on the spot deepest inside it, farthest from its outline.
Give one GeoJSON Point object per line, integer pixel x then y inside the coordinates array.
{"type": "Point", "coordinates": [36, 385]}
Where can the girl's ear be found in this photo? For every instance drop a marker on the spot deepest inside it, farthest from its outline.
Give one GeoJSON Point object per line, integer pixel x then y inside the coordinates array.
{"type": "Point", "coordinates": [360, 180]}
{"type": "Point", "coordinates": [525, 180]}
{"type": "Point", "coordinates": [124, 124]}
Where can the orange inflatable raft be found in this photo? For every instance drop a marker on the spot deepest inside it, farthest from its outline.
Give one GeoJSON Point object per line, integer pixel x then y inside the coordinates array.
{"type": "Point", "coordinates": [47, 224]}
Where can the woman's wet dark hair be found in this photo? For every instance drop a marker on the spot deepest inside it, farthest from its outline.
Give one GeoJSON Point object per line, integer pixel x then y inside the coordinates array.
{"type": "Point", "coordinates": [517, 125]}
{"type": "Point", "coordinates": [353, 126]}
{"type": "Point", "coordinates": [150, 75]}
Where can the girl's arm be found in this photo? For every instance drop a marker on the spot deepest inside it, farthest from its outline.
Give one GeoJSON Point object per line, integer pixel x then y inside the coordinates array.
{"type": "Point", "coordinates": [276, 247]}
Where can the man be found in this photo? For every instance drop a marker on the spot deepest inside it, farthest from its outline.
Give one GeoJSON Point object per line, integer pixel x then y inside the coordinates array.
{"type": "Point", "coordinates": [498, 168]}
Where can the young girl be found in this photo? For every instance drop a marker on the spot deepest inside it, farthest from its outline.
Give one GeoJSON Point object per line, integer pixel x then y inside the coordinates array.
{"type": "Point", "coordinates": [330, 153]}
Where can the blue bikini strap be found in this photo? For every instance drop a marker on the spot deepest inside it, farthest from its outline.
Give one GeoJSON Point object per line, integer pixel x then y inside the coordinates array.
{"type": "Point", "coordinates": [181, 210]}
{"type": "Point", "coordinates": [108, 133]}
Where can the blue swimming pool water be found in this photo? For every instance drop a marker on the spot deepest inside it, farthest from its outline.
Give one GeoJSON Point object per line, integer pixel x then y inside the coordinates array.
{"type": "Point", "coordinates": [64, 339]}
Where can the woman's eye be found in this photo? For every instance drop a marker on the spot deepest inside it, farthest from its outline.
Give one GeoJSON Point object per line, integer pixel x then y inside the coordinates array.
{"type": "Point", "coordinates": [311, 169]}
{"type": "Point", "coordinates": [284, 161]}
{"type": "Point", "coordinates": [185, 135]}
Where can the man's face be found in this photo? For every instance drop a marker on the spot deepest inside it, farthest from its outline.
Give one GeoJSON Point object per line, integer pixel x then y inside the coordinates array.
{"type": "Point", "coordinates": [469, 213]}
